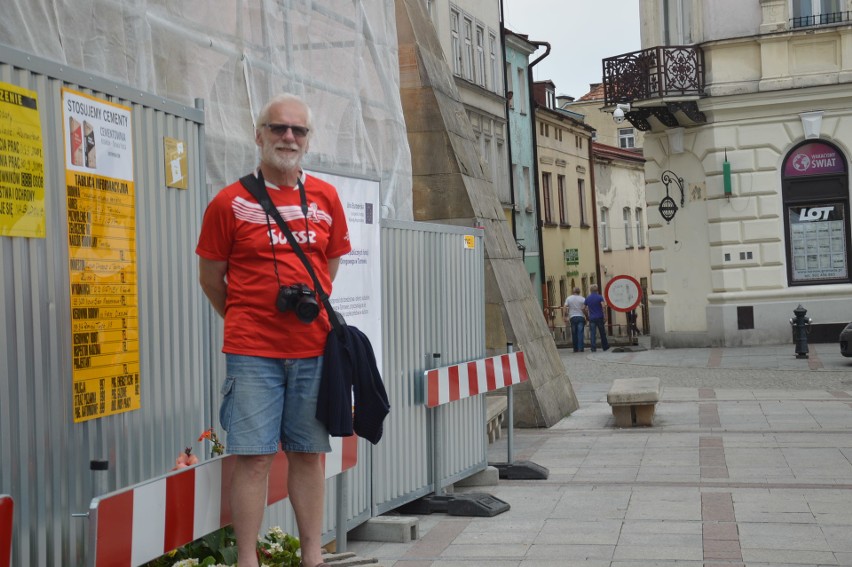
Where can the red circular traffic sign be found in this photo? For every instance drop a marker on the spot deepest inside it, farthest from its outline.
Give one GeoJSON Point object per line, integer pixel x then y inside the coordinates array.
{"type": "Point", "coordinates": [623, 293]}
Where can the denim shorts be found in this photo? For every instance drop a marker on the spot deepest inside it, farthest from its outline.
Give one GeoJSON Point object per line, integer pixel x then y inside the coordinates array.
{"type": "Point", "coordinates": [267, 400]}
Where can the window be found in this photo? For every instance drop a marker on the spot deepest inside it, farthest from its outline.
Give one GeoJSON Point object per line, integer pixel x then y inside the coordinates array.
{"type": "Point", "coordinates": [522, 91]}
{"type": "Point", "coordinates": [467, 28]}
{"type": "Point", "coordinates": [550, 291]}
{"type": "Point", "coordinates": [626, 138]}
{"type": "Point", "coordinates": [481, 69]}
{"type": "Point", "coordinates": [509, 87]}
{"type": "Point", "coordinates": [677, 22]}
{"type": "Point", "coordinates": [550, 98]}
{"type": "Point", "coordinates": [558, 134]}
{"type": "Point", "coordinates": [430, 9]}
{"type": "Point", "coordinates": [545, 190]}
{"type": "Point", "coordinates": [495, 68]}
{"type": "Point", "coordinates": [578, 141]}
{"type": "Point", "coordinates": [560, 188]}
{"type": "Point", "coordinates": [454, 35]}
{"type": "Point", "coordinates": [640, 229]}
{"type": "Point", "coordinates": [814, 12]}
{"type": "Point", "coordinates": [604, 228]}
{"type": "Point", "coordinates": [581, 193]}
{"type": "Point", "coordinates": [544, 129]}
{"type": "Point", "coordinates": [628, 233]}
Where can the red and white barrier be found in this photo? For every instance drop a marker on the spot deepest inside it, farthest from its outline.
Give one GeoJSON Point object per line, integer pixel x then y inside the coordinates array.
{"type": "Point", "coordinates": [7, 514]}
{"type": "Point", "coordinates": [145, 521]}
{"type": "Point", "coordinates": [451, 383]}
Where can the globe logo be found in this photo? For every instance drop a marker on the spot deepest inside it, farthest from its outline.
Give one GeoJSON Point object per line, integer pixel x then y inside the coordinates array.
{"type": "Point", "coordinates": [801, 162]}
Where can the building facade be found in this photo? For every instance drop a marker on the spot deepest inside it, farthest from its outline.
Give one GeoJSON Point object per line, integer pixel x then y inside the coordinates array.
{"type": "Point", "coordinates": [591, 105]}
{"type": "Point", "coordinates": [748, 131]}
{"type": "Point", "coordinates": [567, 201]}
{"type": "Point", "coordinates": [469, 32]}
{"type": "Point", "coordinates": [521, 149]}
{"type": "Point", "coordinates": [622, 226]}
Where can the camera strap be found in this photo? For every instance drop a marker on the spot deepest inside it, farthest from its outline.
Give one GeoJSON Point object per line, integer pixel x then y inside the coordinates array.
{"type": "Point", "coordinates": [257, 187]}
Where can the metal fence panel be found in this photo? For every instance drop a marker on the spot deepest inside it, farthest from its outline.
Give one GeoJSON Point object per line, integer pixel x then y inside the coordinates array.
{"type": "Point", "coordinates": [433, 288]}
{"type": "Point", "coordinates": [45, 456]}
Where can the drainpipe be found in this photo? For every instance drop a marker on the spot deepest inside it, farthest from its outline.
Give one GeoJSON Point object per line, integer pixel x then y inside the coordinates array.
{"type": "Point", "coordinates": [535, 166]}
{"type": "Point", "coordinates": [508, 127]}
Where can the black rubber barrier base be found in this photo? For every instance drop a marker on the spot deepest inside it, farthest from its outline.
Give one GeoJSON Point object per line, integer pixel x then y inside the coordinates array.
{"type": "Point", "coordinates": [470, 504]}
{"type": "Point", "coordinates": [521, 470]}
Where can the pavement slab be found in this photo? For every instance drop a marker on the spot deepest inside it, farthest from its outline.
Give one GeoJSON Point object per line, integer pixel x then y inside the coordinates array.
{"type": "Point", "coordinates": [748, 464]}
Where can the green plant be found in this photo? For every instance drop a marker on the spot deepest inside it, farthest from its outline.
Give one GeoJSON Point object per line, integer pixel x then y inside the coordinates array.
{"type": "Point", "coordinates": [219, 549]}
{"type": "Point", "coordinates": [218, 447]}
{"type": "Point", "coordinates": [278, 549]}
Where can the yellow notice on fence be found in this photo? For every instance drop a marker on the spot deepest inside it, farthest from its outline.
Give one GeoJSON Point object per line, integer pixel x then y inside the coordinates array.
{"type": "Point", "coordinates": [102, 255]}
{"type": "Point", "coordinates": [469, 241]}
{"type": "Point", "coordinates": [174, 152]}
{"type": "Point", "coordinates": [21, 164]}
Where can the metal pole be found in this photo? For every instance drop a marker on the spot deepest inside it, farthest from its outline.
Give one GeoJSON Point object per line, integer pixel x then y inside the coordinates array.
{"type": "Point", "coordinates": [510, 409]}
{"type": "Point", "coordinates": [340, 511]}
{"type": "Point", "coordinates": [436, 429]}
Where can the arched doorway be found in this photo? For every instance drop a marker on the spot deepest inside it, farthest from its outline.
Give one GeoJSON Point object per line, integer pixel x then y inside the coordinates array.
{"type": "Point", "coordinates": [815, 189]}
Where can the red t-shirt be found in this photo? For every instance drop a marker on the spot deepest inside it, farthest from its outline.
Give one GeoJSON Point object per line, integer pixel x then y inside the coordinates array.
{"type": "Point", "coordinates": [235, 230]}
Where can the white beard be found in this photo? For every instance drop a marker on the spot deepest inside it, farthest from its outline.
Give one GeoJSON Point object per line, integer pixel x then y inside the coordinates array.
{"type": "Point", "coordinates": [285, 162]}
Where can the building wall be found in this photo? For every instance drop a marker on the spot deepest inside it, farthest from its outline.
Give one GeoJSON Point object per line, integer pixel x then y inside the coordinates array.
{"type": "Point", "coordinates": [606, 130]}
{"type": "Point", "coordinates": [521, 148]}
{"type": "Point", "coordinates": [478, 71]}
{"type": "Point", "coordinates": [722, 256]}
{"type": "Point", "coordinates": [563, 152]}
{"type": "Point", "coordinates": [620, 184]}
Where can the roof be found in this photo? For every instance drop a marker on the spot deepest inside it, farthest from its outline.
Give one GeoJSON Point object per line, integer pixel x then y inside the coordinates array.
{"type": "Point", "coordinates": [611, 152]}
{"type": "Point", "coordinates": [596, 92]}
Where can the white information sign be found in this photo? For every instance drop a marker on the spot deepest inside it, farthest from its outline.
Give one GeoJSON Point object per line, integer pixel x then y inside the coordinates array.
{"type": "Point", "coordinates": [357, 288]}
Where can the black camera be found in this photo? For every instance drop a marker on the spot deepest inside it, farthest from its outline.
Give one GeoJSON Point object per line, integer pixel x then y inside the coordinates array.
{"type": "Point", "coordinates": [300, 299]}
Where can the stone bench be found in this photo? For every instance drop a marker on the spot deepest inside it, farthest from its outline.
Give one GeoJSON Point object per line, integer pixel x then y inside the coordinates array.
{"type": "Point", "coordinates": [497, 406]}
{"type": "Point", "coordinates": [633, 400]}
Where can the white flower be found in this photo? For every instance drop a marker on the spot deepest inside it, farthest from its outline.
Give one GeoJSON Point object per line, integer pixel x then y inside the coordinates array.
{"type": "Point", "coordinates": [275, 532]}
{"type": "Point", "coordinates": [186, 563]}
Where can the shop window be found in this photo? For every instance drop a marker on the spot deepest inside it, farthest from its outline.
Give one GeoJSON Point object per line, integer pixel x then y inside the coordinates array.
{"type": "Point", "coordinates": [815, 190]}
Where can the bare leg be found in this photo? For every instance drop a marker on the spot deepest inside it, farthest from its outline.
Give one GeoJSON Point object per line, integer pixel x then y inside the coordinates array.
{"type": "Point", "coordinates": [248, 499]}
{"type": "Point", "coordinates": [306, 487]}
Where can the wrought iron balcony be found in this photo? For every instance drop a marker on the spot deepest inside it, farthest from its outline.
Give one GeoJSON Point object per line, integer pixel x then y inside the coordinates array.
{"type": "Point", "coordinates": [671, 75]}
{"type": "Point", "coordinates": [820, 19]}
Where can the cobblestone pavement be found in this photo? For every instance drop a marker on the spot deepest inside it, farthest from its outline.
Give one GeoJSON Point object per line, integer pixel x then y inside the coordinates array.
{"type": "Point", "coordinates": [748, 464]}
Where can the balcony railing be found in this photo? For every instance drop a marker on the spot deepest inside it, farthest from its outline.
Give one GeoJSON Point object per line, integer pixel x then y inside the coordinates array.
{"type": "Point", "coordinates": [820, 19]}
{"type": "Point", "coordinates": [654, 73]}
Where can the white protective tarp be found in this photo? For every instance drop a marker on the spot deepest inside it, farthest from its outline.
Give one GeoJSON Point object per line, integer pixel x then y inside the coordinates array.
{"type": "Point", "coordinates": [341, 55]}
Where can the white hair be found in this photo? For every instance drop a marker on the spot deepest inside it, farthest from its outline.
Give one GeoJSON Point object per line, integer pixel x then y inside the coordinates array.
{"type": "Point", "coordinates": [263, 115]}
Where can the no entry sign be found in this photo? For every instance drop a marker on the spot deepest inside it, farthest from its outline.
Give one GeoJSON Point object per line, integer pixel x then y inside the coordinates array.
{"type": "Point", "coordinates": [623, 293]}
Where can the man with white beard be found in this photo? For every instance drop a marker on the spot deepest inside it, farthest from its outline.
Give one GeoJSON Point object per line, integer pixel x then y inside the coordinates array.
{"type": "Point", "coordinates": [255, 281]}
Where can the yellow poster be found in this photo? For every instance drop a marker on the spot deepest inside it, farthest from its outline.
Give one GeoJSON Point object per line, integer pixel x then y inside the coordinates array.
{"type": "Point", "coordinates": [21, 164]}
{"type": "Point", "coordinates": [102, 255]}
{"type": "Point", "coordinates": [174, 151]}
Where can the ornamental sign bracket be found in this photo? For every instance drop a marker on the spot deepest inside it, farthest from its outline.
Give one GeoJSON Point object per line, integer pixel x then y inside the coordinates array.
{"type": "Point", "coordinates": [668, 208]}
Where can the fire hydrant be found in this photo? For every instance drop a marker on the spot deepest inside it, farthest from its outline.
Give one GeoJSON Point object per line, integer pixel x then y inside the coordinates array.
{"type": "Point", "coordinates": [801, 327]}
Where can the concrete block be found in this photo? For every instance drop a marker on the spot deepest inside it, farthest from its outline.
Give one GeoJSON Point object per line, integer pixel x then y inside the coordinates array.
{"type": "Point", "coordinates": [634, 391]}
{"type": "Point", "coordinates": [633, 401]}
{"type": "Point", "coordinates": [488, 477]}
{"type": "Point", "coordinates": [391, 529]}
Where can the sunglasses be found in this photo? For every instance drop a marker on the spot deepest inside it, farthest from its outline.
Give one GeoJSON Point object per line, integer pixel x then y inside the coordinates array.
{"type": "Point", "coordinates": [281, 129]}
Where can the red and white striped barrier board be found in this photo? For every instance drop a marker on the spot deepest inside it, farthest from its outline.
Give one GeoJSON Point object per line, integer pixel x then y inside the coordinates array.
{"type": "Point", "coordinates": [451, 383]}
{"type": "Point", "coordinates": [7, 513]}
{"type": "Point", "coordinates": [143, 522]}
